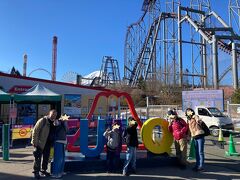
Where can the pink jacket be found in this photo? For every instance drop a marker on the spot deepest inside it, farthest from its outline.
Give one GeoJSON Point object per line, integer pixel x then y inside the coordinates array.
{"type": "Point", "coordinates": [178, 128]}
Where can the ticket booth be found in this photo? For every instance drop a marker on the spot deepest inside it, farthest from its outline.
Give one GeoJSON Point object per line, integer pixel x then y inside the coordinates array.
{"type": "Point", "coordinates": [31, 106]}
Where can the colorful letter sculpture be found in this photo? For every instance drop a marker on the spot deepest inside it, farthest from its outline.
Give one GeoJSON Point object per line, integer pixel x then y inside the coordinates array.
{"type": "Point", "coordinates": [158, 147]}
{"type": "Point", "coordinates": [85, 150]}
{"type": "Point", "coordinates": [71, 147]}
{"type": "Point", "coordinates": [166, 140]}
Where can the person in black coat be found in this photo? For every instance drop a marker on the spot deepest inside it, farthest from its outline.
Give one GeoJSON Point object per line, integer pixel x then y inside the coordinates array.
{"type": "Point", "coordinates": [131, 138]}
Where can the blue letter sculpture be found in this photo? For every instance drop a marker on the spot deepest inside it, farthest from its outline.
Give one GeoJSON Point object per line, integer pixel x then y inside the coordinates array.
{"type": "Point", "coordinates": [91, 152]}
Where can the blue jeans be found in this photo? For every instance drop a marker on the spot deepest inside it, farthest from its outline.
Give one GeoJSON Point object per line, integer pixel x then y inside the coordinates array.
{"type": "Point", "coordinates": [199, 148]}
{"type": "Point", "coordinates": [58, 159]}
{"type": "Point", "coordinates": [130, 158]}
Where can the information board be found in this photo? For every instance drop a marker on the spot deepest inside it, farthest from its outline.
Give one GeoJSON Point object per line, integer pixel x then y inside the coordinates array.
{"type": "Point", "coordinates": [208, 98]}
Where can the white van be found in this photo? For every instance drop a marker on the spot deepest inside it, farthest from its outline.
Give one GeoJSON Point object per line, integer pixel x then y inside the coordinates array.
{"type": "Point", "coordinates": [214, 119]}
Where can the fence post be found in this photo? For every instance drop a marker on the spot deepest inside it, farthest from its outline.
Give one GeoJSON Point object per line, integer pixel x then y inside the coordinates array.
{"type": "Point", "coordinates": [228, 109]}
{"type": "Point", "coordinates": [5, 142]}
{"type": "Point", "coordinates": [147, 109]}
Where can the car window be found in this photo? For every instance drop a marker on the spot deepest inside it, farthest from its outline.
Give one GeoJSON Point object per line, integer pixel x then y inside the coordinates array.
{"type": "Point", "coordinates": [215, 112]}
{"type": "Point", "coordinates": [203, 112]}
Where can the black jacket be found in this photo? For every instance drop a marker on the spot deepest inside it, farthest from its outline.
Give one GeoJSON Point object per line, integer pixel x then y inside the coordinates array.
{"type": "Point", "coordinates": [61, 131]}
{"type": "Point", "coordinates": [131, 136]}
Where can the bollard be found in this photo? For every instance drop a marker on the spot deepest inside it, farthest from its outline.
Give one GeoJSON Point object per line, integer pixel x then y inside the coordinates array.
{"type": "Point", "coordinates": [5, 142]}
{"type": "Point", "coordinates": [192, 152]}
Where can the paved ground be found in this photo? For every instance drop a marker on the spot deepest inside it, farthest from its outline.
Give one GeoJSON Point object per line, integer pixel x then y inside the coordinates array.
{"type": "Point", "coordinates": [218, 166]}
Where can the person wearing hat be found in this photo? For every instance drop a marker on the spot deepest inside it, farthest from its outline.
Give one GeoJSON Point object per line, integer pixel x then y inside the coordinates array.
{"type": "Point", "coordinates": [197, 133]}
{"type": "Point", "coordinates": [113, 140]}
{"type": "Point", "coordinates": [179, 128]}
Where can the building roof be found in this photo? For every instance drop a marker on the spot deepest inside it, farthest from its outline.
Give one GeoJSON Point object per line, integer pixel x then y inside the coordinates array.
{"type": "Point", "coordinates": [4, 97]}
{"type": "Point", "coordinates": [53, 82]}
{"type": "Point", "coordinates": [38, 93]}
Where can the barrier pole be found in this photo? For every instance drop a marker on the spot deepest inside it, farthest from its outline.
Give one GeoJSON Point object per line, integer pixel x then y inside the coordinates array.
{"type": "Point", "coordinates": [5, 142]}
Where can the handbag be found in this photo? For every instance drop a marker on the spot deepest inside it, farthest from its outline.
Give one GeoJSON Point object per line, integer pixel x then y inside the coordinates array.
{"type": "Point", "coordinates": [205, 128]}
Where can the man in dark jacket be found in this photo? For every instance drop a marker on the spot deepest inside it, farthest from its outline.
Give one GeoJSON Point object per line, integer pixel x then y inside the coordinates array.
{"type": "Point", "coordinates": [130, 134]}
{"type": "Point", "coordinates": [42, 140]}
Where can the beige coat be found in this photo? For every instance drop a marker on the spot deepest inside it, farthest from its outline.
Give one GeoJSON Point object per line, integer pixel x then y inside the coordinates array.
{"type": "Point", "coordinates": [40, 133]}
{"type": "Point", "coordinates": [194, 127]}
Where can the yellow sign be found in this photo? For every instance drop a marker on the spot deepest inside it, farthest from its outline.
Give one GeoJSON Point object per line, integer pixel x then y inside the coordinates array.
{"type": "Point", "coordinates": [21, 131]}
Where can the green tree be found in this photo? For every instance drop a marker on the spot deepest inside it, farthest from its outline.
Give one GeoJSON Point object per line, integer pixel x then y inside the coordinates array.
{"type": "Point", "coordinates": [141, 84]}
{"type": "Point", "coordinates": [235, 99]}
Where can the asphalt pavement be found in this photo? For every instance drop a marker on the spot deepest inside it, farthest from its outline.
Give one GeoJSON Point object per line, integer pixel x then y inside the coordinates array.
{"type": "Point", "coordinates": [217, 166]}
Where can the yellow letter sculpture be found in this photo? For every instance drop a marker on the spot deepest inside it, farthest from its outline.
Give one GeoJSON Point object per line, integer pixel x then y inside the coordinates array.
{"type": "Point", "coordinates": [166, 140]}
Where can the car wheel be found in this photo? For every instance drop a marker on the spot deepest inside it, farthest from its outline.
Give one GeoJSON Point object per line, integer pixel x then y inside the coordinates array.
{"type": "Point", "coordinates": [214, 131]}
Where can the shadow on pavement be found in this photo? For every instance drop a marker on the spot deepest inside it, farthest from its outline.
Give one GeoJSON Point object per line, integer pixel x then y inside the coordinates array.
{"type": "Point", "coordinates": [6, 176]}
{"type": "Point", "coordinates": [17, 155]}
{"type": "Point", "coordinates": [163, 173]}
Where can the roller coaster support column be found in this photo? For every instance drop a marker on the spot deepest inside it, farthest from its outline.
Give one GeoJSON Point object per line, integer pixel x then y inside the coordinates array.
{"type": "Point", "coordinates": [204, 56]}
{"type": "Point", "coordinates": [215, 62]}
{"type": "Point", "coordinates": [234, 66]}
{"type": "Point", "coordinates": [180, 46]}
{"type": "Point", "coordinates": [204, 52]}
{"type": "Point", "coordinates": [119, 108]}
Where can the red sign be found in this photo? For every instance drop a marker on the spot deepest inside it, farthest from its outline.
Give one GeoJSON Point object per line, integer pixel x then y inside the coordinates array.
{"type": "Point", "coordinates": [19, 89]}
{"type": "Point", "coordinates": [23, 132]}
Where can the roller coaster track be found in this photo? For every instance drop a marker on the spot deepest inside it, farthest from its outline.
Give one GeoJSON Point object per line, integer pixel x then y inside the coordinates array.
{"type": "Point", "coordinates": [207, 35]}
{"type": "Point", "coordinates": [138, 65]}
{"type": "Point", "coordinates": [142, 65]}
{"type": "Point", "coordinates": [225, 48]}
{"type": "Point", "coordinates": [40, 69]}
{"type": "Point", "coordinates": [228, 49]}
{"type": "Point", "coordinates": [147, 50]}
{"type": "Point", "coordinates": [141, 19]}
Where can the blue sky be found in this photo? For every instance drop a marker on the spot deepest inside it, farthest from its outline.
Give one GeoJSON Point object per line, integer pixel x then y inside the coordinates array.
{"type": "Point", "coordinates": [86, 30]}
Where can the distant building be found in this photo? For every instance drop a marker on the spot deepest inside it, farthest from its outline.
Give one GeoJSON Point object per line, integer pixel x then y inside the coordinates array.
{"type": "Point", "coordinates": [76, 99]}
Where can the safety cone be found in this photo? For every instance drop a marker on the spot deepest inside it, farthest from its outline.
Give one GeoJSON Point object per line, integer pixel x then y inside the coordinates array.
{"type": "Point", "coordinates": [192, 154]}
{"type": "Point", "coordinates": [232, 151]}
{"type": "Point", "coordinates": [220, 135]}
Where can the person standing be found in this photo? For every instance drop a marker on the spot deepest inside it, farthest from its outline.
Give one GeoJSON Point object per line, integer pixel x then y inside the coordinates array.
{"type": "Point", "coordinates": [131, 138]}
{"type": "Point", "coordinates": [59, 146]}
{"type": "Point", "coordinates": [113, 140]}
{"type": "Point", "coordinates": [179, 128]}
{"type": "Point", "coordinates": [197, 133]}
{"type": "Point", "coordinates": [42, 139]}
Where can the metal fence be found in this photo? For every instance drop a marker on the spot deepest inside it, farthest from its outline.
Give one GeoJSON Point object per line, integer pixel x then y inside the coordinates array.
{"type": "Point", "coordinates": [151, 111]}
{"type": "Point", "coordinates": [160, 110]}
{"type": "Point", "coordinates": [233, 110]}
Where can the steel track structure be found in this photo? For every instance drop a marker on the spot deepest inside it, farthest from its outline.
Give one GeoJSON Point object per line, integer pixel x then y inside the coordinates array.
{"type": "Point", "coordinates": [176, 45]}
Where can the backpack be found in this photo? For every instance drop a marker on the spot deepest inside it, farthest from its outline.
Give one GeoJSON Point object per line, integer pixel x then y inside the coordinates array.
{"type": "Point", "coordinates": [113, 140]}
